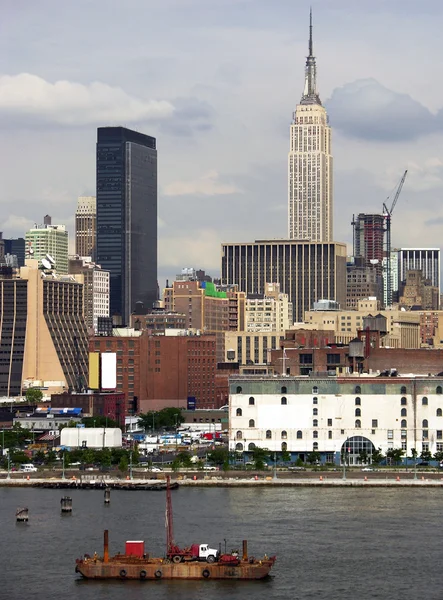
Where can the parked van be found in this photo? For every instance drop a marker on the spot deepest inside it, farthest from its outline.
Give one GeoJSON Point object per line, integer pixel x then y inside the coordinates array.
{"type": "Point", "coordinates": [29, 468]}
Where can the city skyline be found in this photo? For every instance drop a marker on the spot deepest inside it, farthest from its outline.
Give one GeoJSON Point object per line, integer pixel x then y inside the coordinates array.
{"type": "Point", "coordinates": [204, 107]}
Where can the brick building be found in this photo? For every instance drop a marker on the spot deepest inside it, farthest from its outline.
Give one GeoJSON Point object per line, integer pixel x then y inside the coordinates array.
{"type": "Point", "coordinates": [131, 348]}
{"type": "Point", "coordinates": [179, 367]}
{"type": "Point", "coordinates": [96, 404]}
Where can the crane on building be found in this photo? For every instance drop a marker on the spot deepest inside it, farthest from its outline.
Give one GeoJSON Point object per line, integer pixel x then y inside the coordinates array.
{"type": "Point", "coordinates": [387, 213]}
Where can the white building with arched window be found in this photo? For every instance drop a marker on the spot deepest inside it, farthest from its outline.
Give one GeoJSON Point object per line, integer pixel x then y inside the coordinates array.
{"type": "Point", "coordinates": [336, 415]}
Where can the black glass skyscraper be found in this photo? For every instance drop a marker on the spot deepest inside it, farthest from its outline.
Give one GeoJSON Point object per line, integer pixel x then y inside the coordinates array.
{"type": "Point", "coordinates": [127, 217]}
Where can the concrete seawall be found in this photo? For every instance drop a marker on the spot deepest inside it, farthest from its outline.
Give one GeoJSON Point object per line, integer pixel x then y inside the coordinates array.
{"type": "Point", "coordinates": [141, 484]}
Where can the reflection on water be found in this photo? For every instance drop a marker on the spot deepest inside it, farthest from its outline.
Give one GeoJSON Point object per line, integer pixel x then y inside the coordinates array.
{"type": "Point", "coordinates": [330, 543]}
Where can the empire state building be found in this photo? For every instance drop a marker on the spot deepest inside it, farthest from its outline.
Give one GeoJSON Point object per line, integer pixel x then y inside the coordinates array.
{"type": "Point", "coordinates": [310, 163]}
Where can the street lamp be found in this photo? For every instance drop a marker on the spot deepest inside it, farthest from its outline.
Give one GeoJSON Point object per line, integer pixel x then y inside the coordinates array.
{"type": "Point", "coordinates": [130, 464]}
{"type": "Point", "coordinates": [63, 466]}
{"type": "Point", "coordinates": [344, 459]}
{"type": "Point", "coordinates": [275, 465]}
{"type": "Point", "coordinates": [9, 466]}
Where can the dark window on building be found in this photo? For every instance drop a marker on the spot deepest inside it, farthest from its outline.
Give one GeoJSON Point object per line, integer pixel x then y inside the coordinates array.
{"type": "Point", "coordinates": [284, 435]}
{"type": "Point", "coordinates": [315, 434]}
{"type": "Point", "coordinates": [374, 423]}
{"type": "Point", "coordinates": [358, 402]}
{"type": "Point", "coordinates": [284, 390]}
{"type": "Point", "coordinates": [251, 400]}
{"type": "Point", "coordinates": [424, 401]}
{"type": "Point", "coordinates": [329, 422]}
{"type": "Point", "coordinates": [403, 423]}
{"type": "Point", "coordinates": [357, 389]}
{"type": "Point", "coordinates": [284, 400]}
{"type": "Point", "coordinates": [315, 423]}
{"type": "Point", "coordinates": [268, 434]}
{"type": "Point", "coordinates": [403, 402]}
{"type": "Point", "coordinates": [424, 423]}
{"type": "Point", "coordinates": [404, 412]}
{"type": "Point", "coordinates": [239, 412]}
{"type": "Point", "coordinates": [403, 390]}
{"type": "Point", "coordinates": [306, 359]}
{"type": "Point", "coordinates": [439, 434]}
{"type": "Point", "coordinates": [315, 400]}
{"type": "Point", "coordinates": [333, 359]}
{"type": "Point", "coordinates": [439, 389]}
{"type": "Point", "coordinates": [239, 390]}
{"type": "Point", "coordinates": [439, 413]}
{"type": "Point", "coordinates": [357, 424]}
{"type": "Point", "coordinates": [299, 435]}
{"type": "Point", "coordinates": [251, 423]}
{"type": "Point", "coordinates": [330, 435]}
{"type": "Point", "coordinates": [315, 411]}
{"type": "Point", "coordinates": [358, 412]}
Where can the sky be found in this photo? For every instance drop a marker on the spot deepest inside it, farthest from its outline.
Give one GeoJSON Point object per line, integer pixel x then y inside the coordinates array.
{"type": "Point", "coordinates": [216, 82]}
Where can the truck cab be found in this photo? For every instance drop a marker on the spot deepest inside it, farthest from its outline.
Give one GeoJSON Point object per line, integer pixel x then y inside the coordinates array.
{"type": "Point", "coordinates": [204, 552]}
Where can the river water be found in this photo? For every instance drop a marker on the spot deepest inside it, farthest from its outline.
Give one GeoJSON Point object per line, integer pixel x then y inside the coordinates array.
{"type": "Point", "coordinates": [331, 543]}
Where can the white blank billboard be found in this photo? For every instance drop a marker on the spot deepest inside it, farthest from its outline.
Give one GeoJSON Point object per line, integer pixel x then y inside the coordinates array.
{"type": "Point", "coordinates": [109, 371]}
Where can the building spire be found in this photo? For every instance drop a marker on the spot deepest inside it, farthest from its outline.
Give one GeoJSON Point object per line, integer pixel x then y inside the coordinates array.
{"type": "Point", "coordinates": [310, 95]}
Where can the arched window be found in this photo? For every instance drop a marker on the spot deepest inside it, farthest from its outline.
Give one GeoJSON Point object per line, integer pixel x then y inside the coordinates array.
{"type": "Point", "coordinates": [424, 401]}
{"type": "Point", "coordinates": [299, 435]}
{"type": "Point", "coordinates": [284, 435]}
{"type": "Point", "coordinates": [424, 423]}
{"type": "Point", "coordinates": [284, 446]}
{"type": "Point", "coordinates": [315, 446]}
{"type": "Point", "coordinates": [315, 434]}
{"type": "Point", "coordinates": [439, 413]}
{"type": "Point", "coordinates": [251, 446]}
{"type": "Point", "coordinates": [251, 423]}
{"type": "Point", "coordinates": [284, 389]}
{"type": "Point", "coordinates": [239, 447]}
{"type": "Point", "coordinates": [358, 424]}
{"type": "Point", "coordinates": [403, 402]}
{"type": "Point", "coordinates": [251, 400]}
{"type": "Point", "coordinates": [315, 411]}
{"type": "Point", "coordinates": [404, 423]}
{"type": "Point", "coordinates": [284, 400]}
{"type": "Point", "coordinates": [403, 389]}
{"type": "Point", "coordinates": [358, 412]}
{"type": "Point", "coordinates": [268, 434]}
{"type": "Point", "coordinates": [315, 400]}
{"type": "Point", "coordinates": [238, 435]}
{"type": "Point", "coordinates": [315, 423]}
{"type": "Point", "coordinates": [357, 389]}
{"type": "Point", "coordinates": [404, 412]}
{"type": "Point", "coordinates": [239, 412]}
{"type": "Point", "coordinates": [439, 389]}
{"type": "Point", "coordinates": [239, 390]}
{"type": "Point", "coordinates": [315, 390]}
{"type": "Point", "coordinates": [358, 401]}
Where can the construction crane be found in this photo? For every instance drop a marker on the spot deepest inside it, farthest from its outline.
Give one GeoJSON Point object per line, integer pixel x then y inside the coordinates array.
{"type": "Point", "coordinates": [387, 213]}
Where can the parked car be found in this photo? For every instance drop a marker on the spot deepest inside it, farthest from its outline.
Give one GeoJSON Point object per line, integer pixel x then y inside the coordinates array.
{"type": "Point", "coordinates": [296, 468]}
{"type": "Point", "coordinates": [368, 469]}
{"type": "Point", "coordinates": [424, 463]}
{"type": "Point", "coordinates": [209, 468]}
{"type": "Point", "coordinates": [155, 470]}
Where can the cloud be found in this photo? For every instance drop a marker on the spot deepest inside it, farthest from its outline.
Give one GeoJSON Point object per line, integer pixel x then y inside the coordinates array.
{"type": "Point", "coordinates": [69, 103]}
{"type": "Point", "coordinates": [367, 110]}
{"type": "Point", "coordinates": [16, 225]}
{"type": "Point", "coordinates": [207, 185]}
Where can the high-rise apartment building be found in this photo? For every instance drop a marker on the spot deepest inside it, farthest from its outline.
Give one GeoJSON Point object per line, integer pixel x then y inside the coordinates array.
{"type": "Point", "coordinates": [13, 317]}
{"type": "Point", "coordinates": [43, 337]}
{"type": "Point", "coordinates": [306, 271]}
{"type": "Point", "coordinates": [310, 185]}
{"type": "Point", "coordinates": [96, 289]}
{"type": "Point", "coordinates": [426, 260]}
{"type": "Point", "coordinates": [49, 239]}
{"type": "Point", "coordinates": [85, 226]}
{"type": "Point", "coordinates": [127, 218]}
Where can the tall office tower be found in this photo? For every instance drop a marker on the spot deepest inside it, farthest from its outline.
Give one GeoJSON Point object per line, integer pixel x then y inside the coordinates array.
{"type": "Point", "coordinates": [306, 271]}
{"type": "Point", "coordinates": [127, 218]}
{"type": "Point", "coordinates": [426, 260]}
{"type": "Point", "coordinates": [49, 239]}
{"type": "Point", "coordinates": [16, 247]}
{"type": "Point", "coordinates": [85, 225]}
{"type": "Point", "coordinates": [310, 164]}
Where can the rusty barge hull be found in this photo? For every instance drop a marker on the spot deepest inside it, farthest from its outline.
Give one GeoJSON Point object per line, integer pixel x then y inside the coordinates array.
{"type": "Point", "coordinates": [149, 570]}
